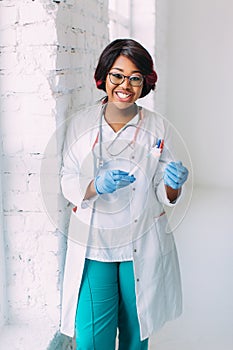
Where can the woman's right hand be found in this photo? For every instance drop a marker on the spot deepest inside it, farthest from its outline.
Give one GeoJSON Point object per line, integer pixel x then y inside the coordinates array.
{"type": "Point", "coordinates": [111, 180]}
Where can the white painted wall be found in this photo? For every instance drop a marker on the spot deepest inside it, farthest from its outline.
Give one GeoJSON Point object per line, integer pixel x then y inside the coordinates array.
{"type": "Point", "coordinates": [205, 245]}
{"type": "Point", "coordinates": [142, 29]}
{"type": "Point", "coordinates": [199, 80]}
{"type": "Point", "coordinates": [127, 20]}
{"type": "Point", "coordinates": [195, 55]}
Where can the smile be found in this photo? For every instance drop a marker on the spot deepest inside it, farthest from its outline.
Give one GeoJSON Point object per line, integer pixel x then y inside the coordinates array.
{"type": "Point", "coordinates": [122, 95]}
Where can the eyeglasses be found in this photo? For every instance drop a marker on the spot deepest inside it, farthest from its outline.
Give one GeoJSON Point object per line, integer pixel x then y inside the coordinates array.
{"type": "Point", "coordinates": [118, 78]}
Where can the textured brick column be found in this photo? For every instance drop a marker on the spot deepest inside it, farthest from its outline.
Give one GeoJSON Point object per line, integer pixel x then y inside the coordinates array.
{"type": "Point", "coordinates": [48, 54]}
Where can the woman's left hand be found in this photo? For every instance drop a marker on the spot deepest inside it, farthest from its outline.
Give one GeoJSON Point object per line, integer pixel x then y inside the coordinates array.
{"type": "Point", "coordinates": [175, 175]}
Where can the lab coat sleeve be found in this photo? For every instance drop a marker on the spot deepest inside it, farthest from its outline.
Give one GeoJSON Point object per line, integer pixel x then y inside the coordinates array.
{"type": "Point", "coordinates": [166, 157]}
{"type": "Point", "coordinates": [74, 178]}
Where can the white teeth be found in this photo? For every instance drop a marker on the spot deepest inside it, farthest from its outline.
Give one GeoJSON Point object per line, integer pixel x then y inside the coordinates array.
{"type": "Point", "coordinates": [122, 95]}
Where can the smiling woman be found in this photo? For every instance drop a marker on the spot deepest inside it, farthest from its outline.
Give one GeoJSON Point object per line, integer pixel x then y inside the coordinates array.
{"type": "Point", "coordinates": [139, 60]}
{"type": "Point", "coordinates": [115, 275]}
{"type": "Point", "coordinates": [125, 71]}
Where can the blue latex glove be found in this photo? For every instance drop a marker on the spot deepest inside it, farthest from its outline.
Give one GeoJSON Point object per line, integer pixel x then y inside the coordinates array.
{"type": "Point", "coordinates": [112, 180]}
{"type": "Point", "coordinates": [175, 175]}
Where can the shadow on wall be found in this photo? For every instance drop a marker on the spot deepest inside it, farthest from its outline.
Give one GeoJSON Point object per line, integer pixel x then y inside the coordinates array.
{"type": "Point", "coordinates": [64, 85]}
{"type": "Point", "coordinates": [79, 43]}
{"type": "Point", "coordinates": [61, 342]}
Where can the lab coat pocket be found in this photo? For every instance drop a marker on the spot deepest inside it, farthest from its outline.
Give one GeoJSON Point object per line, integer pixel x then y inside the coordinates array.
{"type": "Point", "coordinates": [164, 234]}
{"type": "Point", "coordinates": [79, 225]}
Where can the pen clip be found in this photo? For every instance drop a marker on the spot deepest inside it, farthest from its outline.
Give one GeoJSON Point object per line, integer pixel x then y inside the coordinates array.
{"type": "Point", "coordinates": [158, 143]}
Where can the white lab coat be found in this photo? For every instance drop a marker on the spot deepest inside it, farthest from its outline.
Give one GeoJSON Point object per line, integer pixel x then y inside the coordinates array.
{"type": "Point", "coordinates": [156, 268]}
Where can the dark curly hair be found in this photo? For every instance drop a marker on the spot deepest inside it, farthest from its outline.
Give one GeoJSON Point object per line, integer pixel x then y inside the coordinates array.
{"type": "Point", "coordinates": [136, 53]}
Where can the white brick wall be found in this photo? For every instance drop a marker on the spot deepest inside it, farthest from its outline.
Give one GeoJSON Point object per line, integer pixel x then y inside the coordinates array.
{"type": "Point", "coordinates": [48, 54]}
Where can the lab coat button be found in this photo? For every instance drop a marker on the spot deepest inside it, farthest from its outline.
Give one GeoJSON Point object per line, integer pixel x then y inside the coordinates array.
{"type": "Point", "coordinates": [135, 221]}
{"type": "Point", "coordinates": [133, 188]}
{"type": "Point", "coordinates": [135, 250]}
{"type": "Point", "coordinates": [137, 279]}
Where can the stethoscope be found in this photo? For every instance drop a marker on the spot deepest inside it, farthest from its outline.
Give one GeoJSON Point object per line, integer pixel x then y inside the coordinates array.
{"type": "Point", "coordinates": [99, 161]}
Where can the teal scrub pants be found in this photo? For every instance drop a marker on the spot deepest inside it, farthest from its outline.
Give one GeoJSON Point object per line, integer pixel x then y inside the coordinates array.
{"type": "Point", "coordinates": [106, 302]}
